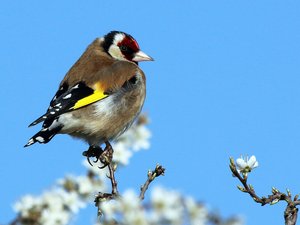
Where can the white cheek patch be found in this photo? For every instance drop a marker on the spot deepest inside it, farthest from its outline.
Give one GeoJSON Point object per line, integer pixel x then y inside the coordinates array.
{"type": "Point", "coordinates": [114, 49]}
{"type": "Point", "coordinates": [115, 52]}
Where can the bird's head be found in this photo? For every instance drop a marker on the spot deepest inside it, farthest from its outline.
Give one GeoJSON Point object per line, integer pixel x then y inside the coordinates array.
{"type": "Point", "coordinates": [122, 46]}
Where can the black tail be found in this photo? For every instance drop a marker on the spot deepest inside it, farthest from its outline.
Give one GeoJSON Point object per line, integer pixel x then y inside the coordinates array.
{"type": "Point", "coordinates": [43, 136]}
{"type": "Point", "coordinates": [40, 119]}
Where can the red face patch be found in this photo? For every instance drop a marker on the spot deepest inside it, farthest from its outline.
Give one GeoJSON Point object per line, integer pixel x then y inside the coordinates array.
{"type": "Point", "coordinates": [128, 46]}
{"type": "Point", "coordinates": [130, 43]}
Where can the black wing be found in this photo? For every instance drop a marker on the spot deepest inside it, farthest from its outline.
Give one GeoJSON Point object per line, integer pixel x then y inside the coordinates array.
{"type": "Point", "coordinates": [65, 99]}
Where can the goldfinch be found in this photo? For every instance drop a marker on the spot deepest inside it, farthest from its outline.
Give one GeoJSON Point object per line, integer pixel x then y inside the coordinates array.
{"type": "Point", "coordinates": [100, 96]}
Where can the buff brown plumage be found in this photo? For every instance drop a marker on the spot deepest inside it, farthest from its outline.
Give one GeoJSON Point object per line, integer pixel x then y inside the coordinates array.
{"type": "Point", "coordinates": [101, 94]}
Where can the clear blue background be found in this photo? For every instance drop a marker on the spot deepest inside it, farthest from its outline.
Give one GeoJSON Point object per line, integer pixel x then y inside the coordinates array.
{"type": "Point", "coordinates": [225, 82]}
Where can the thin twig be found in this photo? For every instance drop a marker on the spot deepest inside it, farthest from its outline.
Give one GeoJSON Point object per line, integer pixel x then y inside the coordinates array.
{"type": "Point", "coordinates": [291, 211]}
{"type": "Point", "coordinates": [114, 184]}
{"type": "Point", "coordinates": [159, 170]}
{"type": "Point", "coordinates": [106, 158]}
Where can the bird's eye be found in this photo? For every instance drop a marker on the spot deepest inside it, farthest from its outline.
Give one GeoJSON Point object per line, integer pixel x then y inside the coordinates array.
{"type": "Point", "coordinates": [123, 48]}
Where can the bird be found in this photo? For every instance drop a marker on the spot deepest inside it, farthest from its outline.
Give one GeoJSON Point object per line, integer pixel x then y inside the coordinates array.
{"type": "Point", "coordinates": [100, 96]}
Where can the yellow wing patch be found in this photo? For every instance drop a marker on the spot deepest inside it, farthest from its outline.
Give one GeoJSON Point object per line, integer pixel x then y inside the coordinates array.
{"type": "Point", "coordinates": [96, 96]}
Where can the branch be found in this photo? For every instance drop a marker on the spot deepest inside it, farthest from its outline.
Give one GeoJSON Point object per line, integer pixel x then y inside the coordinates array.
{"type": "Point", "coordinates": [159, 170]}
{"type": "Point", "coordinates": [291, 211]}
{"type": "Point", "coordinates": [106, 158]}
{"type": "Point", "coordinates": [114, 189]}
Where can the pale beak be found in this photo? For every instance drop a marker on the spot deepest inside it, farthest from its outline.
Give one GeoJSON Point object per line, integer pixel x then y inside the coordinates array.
{"type": "Point", "coordinates": [141, 56]}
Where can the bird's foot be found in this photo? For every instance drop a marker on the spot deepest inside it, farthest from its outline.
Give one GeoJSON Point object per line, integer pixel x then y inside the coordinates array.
{"type": "Point", "coordinates": [107, 155]}
{"type": "Point", "coordinates": [93, 151]}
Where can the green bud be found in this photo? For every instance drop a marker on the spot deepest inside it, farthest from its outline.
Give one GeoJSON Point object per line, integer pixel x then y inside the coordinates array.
{"type": "Point", "coordinates": [288, 192]}
{"type": "Point", "coordinates": [241, 188]}
{"type": "Point", "coordinates": [274, 190]}
{"type": "Point", "coordinates": [274, 201]}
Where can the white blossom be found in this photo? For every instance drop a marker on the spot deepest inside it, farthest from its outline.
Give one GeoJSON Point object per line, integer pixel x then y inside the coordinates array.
{"type": "Point", "coordinates": [85, 185]}
{"type": "Point", "coordinates": [54, 217]}
{"type": "Point", "coordinates": [53, 200]}
{"type": "Point", "coordinates": [55, 206]}
{"type": "Point", "coordinates": [59, 205]}
{"type": "Point", "coordinates": [245, 164]}
{"type": "Point", "coordinates": [137, 137]}
{"type": "Point", "coordinates": [133, 140]}
{"type": "Point", "coordinates": [129, 201]}
{"type": "Point", "coordinates": [109, 209]}
{"type": "Point", "coordinates": [167, 205]}
{"type": "Point", "coordinates": [197, 213]}
{"type": "Point", "coordinates": [26, 203]}
{"type": "Point", "coordinates": [135, 218]}
{"type": "Point", "coordinates": [141, 138]}
{"type": "Point", "coordinates": [131, 208]}
{"type": "Point", "coordinates": [94, 168]}
{"type": "Point", "coordinates": [121, 153]}
{"type": "Point", "coordinates": [61, 200]}
{"type": "Point", "coordinates": [73, 201]}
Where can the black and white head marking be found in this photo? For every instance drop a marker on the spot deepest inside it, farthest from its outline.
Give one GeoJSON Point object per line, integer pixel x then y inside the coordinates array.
{"type": "Point", "coordinates": [120, 45]}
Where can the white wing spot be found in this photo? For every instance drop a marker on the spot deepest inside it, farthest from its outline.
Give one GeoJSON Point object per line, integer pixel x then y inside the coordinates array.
{"type": "Point", "coordinates": [76, 86]}
{"type": "Point", "coordinates": [51, 136]}
{"type": "Point", "coordinates": [67, 96]}
{"type": "Point", "coordinates": [40, 139]}
{"type": "Point", "coordinates": [30, 142]}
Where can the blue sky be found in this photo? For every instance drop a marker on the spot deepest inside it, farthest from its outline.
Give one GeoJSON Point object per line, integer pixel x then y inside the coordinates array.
{"type": "Point", "coordinates": [225, 82]}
